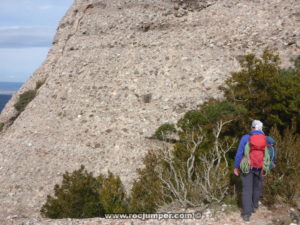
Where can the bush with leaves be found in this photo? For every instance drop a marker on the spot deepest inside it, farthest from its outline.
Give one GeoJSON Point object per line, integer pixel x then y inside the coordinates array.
{"type": "Point", "coordinates": [201, 176]}
{"type": "Point", "coordinates": [81, 195]}
{"type": "Point", "coordinates": [209, 113]}
{"type": "Point", "coordinates": [27, 97]}
{"type": "Point", "coordinates": [206, 118]}
{"type": "Point", "coordinates": [283, 182]}
{"type": "Point", "coordinates": [164, 131]}
{"type": "Point", "coordinates": [1, 126]}
{"type": "Point", "coordinates": [24, 100]}
{"type": "Point", "coordinates": [76, 197]}
{"type": "Point", "coordinates": [268, 92]}
{"type": "Point", "coordinates": [146, 192]}
{"type": "Point", "coordinates": [194, 170]}
{"type": "Point", "coordinates": [112, 195]}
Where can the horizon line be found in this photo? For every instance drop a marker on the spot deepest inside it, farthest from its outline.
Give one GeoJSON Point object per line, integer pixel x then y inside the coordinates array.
{"type": "Point", "coordinates": [8, 92]}
{"type": "Point", "coordinates": [21, 82]}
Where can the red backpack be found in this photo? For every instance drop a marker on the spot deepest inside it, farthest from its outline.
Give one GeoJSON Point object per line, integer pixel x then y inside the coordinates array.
{"type": "Point", "coordinates": [258, 143]}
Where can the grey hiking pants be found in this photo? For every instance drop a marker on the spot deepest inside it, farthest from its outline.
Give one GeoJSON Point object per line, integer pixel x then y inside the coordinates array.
{"type": "Point", "coordinates": [252, 190]}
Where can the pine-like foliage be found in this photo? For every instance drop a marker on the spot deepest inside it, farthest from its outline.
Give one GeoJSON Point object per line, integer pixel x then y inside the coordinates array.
{"type": "Point", "coordinates": [163, 131]}
{"type": "Point", "coordinates": [265, 90]}
{"type": "Point", "coordinates": [146, 192]}
{"type": "Point", "coordinates": [81, 195]}
{"type": "Point", "coordinates": [284, 181]}
{"type": "Point", "coordinates": [76, 197]}
{"type": "Point", "coordinates": [112, 195]}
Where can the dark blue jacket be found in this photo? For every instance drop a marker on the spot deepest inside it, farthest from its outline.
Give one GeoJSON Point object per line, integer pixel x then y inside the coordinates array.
{"type": "Point", "coordinates": [240, 152]}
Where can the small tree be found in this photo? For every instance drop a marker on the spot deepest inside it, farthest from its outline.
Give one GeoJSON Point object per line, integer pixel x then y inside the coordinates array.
{"type": "Point", "coordinates": [76, 197]}
{"type": "Point", "coordinates": [200, 179]}
{"type": "Point", "coordinates": [146, 192]}
{"type": "Point", "coordinates": [265, 90]}
{"type": "Point", "coordinates": [284, 179]}
{"type": "Point", "coordinates": [164, 131]}
{"type": "Point", "coordinates": [208, 114]}
{"type": "Point", "coordinates": [112, 195]}
{"type": "Point", "coordinates": [81, 195]}
{"type": "Point", "coordinates": [195, 170]}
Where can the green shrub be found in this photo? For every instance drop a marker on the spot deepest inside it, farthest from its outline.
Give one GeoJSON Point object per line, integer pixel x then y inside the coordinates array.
{"type": "Point", "coordinates": [112, 195]}
{"type": "Point", "coordinates": [1, 126]}
{"type": "Point", "coordinates": [195, 175]}
{"type": "Point", "coordinates": [27, 97]}
{"type": "Point", "coordinates": [24, 100]}
{"type": "Point", "coordinates": [76, 197]}
{"type": "Point", "coordinates": [146, 192]}
{"type": "Point", "coordinates": [81, 195]}
{"type": "Point", "coordinates": [163, 131]}
{"type": "Point", "coordinates": [208, 114]}
{"type": "Point", "coordinates": [265, 90]}
{"type": "Point", "coordinates": [201, 143]}
{"type": "Point", "coordinates": [284, 180]}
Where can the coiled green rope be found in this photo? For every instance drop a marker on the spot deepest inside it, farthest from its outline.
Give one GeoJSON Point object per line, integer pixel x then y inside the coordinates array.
{"type": "Point", "coordinates": [267, 161]}
{"type": "Point", "coordinates": [245, 164]}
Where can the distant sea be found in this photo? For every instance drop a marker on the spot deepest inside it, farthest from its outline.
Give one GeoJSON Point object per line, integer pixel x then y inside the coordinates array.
{"type": "Point", "coordinates": [6, 91]}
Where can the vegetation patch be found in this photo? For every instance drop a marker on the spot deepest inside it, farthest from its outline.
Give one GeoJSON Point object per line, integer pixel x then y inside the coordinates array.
{"type": "Point", "coordinates": [81, 195]}
{"type": "Point", "coordinates": [163, 131]}
{"type": "Point", "coordinates": [24, 100]}
{"type": "Point", "coordinates": [283, 183]}
{"type": "Point", "coordinates": [1, 126]}
{"type": "Point", "coordinates": [267, 91]}
{"type": "Point", "coordinates": [27, 97]}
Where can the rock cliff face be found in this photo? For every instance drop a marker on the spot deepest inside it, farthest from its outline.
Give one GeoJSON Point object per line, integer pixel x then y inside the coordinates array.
{"type": "Point", "coordinates": [116, 71]}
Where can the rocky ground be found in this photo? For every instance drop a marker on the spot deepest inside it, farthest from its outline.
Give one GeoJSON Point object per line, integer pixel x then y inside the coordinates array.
{"type": "Point", "coordinates": [223, 215]}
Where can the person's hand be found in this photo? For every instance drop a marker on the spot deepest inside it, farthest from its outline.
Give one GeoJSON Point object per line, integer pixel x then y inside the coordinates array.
{"type": "Point", "coordinates": [236, 171]}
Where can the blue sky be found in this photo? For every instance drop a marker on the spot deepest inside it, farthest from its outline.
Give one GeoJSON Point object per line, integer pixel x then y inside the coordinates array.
{"type": "Point", "coordinates": [27, 28]}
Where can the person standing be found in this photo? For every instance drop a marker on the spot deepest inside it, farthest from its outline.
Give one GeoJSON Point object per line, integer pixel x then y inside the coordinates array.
{"type": "Point", "coordinates": [250, 163]}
